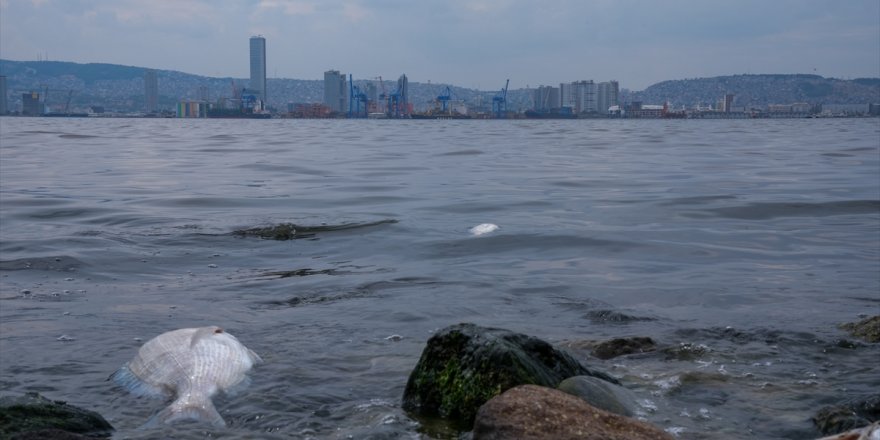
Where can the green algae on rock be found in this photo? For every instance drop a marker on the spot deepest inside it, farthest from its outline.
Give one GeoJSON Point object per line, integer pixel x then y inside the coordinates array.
{"type": "Point", "coordinates": [465, 365]}
{"type": "Point", "coordinates": [867, 329]}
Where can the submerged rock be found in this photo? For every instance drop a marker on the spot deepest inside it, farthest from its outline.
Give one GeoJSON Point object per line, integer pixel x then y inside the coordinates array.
{"type": "Point", "coordinates": [623, 346]}
{"type": "Point", "coordinates": [601, 394]}
{"type": "Point", "coordinates": [34, 416]}
{"type": "Point", "coordinates": [465, 365]}
{"type": "Point", "coordinates": [284, 231]}
{"type": "Point", "coordinates": [867, 329]}
{"type": "Point", "coordinates": [532, 412]}
{"type": "Point", "coordinates": [854, 413]}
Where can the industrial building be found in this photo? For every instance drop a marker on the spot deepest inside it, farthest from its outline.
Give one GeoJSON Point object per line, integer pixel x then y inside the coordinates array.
{"type": "Point", "coordinates": [258, 67]}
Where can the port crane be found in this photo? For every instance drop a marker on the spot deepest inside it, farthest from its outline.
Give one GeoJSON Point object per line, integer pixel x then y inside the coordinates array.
{"type": "Point", "coordinates": [445, 98]}
{"type": "Point", "coordinates": [356, 98]}
{"type": "Point", "coordinates": [499, 102]}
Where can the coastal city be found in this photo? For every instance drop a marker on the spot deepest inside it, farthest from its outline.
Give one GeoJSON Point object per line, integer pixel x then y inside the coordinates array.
{"type": "Point", "coordinates": [153, 93]}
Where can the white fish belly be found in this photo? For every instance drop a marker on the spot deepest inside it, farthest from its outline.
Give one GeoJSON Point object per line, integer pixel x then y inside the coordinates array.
{"type": "Point", "coordinates": [191, 365]}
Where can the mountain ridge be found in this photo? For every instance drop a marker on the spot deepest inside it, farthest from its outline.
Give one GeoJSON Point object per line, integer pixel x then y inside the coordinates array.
{"type": "Point", "coordinates": [120, 88]}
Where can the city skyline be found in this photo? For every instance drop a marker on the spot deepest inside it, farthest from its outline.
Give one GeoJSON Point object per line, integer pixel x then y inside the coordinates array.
{"type": "Point", "coordinates": [476, 44]}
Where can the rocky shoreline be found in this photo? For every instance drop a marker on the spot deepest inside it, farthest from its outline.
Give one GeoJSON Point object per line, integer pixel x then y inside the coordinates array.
{"type": "Point", "coordinates": [497, 384]}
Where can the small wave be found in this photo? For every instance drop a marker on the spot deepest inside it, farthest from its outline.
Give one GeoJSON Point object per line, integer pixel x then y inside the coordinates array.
{"type": "Point", "coordinates": [764, 211]}
{"type": "Point", "coordinates": [462, 153]}
{"type": "Point", "coordinates": [59, 263]}
{"type": "Point", "coordinates": [76, 136]}
{"type": "Point", "coordinates": [698, 200]}
{"type": "Point", "coordinates": [495, 244]}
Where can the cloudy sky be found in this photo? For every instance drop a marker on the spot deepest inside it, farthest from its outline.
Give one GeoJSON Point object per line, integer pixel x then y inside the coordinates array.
{"type": "Point", "coordinates": [470, 43]}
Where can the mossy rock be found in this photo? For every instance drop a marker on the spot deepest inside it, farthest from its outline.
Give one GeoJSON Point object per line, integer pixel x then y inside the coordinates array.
{"type": "Point", "coordinates": [32, 412]}
{"type": "Point", "coordinates": [465, 365]}
{"type": "Point", "coordinates": [855, 413]}
{"type": "Point", "coordinates": [867, 329]}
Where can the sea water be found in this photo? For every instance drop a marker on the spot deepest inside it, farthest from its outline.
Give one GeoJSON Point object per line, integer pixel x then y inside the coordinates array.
{"type": "Point", "coordinates": [744, 241]}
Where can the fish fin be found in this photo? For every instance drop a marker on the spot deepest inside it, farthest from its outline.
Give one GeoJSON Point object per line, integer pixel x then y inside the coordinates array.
{"type": "Point", "coordinates": [204, 332]}
{"type": "Point", "coordinates": [203, 412]}
{"type": "Point", "coordinates": [255, 358]}
{"type": "Point", "coordinates": [128, 380]}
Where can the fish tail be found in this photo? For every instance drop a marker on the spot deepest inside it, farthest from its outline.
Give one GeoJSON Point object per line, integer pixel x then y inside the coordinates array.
{"type": "Point", "coordinates": [202, 411]}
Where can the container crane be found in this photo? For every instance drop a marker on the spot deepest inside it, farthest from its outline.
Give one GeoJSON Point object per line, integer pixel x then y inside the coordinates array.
{"type": "Point", "coordinates": [445, 98]}
{"type": "Point", "coordinates": [356, 98]}
{"type": "Point", "coordinates": [499, 102]}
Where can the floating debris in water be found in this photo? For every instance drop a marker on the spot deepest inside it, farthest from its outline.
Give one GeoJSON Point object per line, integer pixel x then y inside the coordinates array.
{"type": "Point", "coordinates": [394, 338]}
{"type": "Point", "coordinates": [189, 365]}
{"type": "Point", "coordinates": [212, 266]}
{"type": "Point", "coordinates": [65, 338]}
{"type": "Point", "coordinates": [483, 228]}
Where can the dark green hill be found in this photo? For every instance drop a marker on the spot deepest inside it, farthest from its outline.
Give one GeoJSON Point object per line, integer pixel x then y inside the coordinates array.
{"type": "Point", "coordinates": [761, 90]}
{"type": "Point", "coordinates": [88, 73]}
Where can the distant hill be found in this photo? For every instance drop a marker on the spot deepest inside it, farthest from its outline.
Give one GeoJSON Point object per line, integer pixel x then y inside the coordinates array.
{"type": "Point", "coordinates": [760, 90]}
{"type": "Point", "coordinates": [121, 88]}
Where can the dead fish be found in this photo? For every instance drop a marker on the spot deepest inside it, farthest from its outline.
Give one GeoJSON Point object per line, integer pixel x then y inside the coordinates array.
{"type": "Point", "coordinates": [189, 365]}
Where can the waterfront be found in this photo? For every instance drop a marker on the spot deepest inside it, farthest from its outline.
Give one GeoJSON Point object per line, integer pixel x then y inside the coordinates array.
{"type": "Point", "coordinates": [752, 239]}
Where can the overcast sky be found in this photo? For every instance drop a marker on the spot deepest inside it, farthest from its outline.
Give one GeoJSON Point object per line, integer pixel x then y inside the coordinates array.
{"type": "Point", "coordinates": [470, 43]}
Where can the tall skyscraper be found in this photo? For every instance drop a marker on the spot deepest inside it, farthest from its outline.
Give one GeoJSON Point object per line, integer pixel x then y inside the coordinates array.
{"type": "Point", "coordinates": [4, 104]}
{"type": "Point", "coordinates": [258, 67]}
{"type": "Point", "coordinates": [334, 91]}
{"type": "Point", "coordinates": [151, 91]}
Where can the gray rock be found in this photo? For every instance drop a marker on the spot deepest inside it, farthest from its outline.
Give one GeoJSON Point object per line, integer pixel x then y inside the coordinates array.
{"type": "Point", "coordinates": [465, 365]}
{"type": "Point", "coordinates": [623, 346]}
{"type": "Point", "coordinates": [601, 394]}
{"type": "Point", "coordinates": [530, 412]}
{"type": "Point", "coordinates": [28, 415]}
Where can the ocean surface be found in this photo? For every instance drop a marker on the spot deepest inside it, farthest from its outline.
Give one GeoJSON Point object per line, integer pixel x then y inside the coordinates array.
{"type": "Point", "coordinates": [746, 241]}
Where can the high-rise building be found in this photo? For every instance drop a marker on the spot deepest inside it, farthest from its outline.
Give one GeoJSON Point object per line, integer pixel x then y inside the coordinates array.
{"type": "Point", "coordinates": [334, 91]}
{"type": "Point", "coordinates": [566, 96]}
{"type": "Point", "coordinates": [546, 98]}
{"type": "Point", "coordinates": [151, 91]}
{"type": "Point", "coordinates": [728, 102]}
{"type": "Point", "coordinates": [607, 96]}
{"type": "Point", "coordinates": [4, 104]}
{"type": "Point", "coordinates": [258, 67]}
{"type": "Point", "coordinates": [579, 96]}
